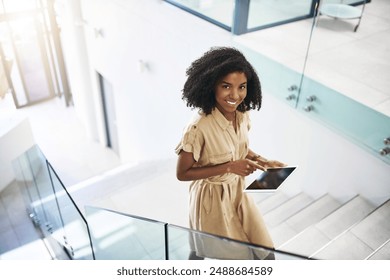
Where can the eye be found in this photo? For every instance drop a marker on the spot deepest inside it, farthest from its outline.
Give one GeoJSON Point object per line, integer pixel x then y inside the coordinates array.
{"type": "Point", "coordinates": [225, 86]}
{"type": "Point", "coordinates": [243, 87]}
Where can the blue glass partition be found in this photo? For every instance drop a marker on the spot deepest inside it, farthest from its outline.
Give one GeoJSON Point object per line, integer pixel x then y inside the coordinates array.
{"type": "Point", "coordinates": [242, 16]}
{"type": "Point", "coordinates": [269, 13]}
{"type": "Point", "coordinates": [219, 12]}
{"type": "Point", "coordinates": [118, 236]}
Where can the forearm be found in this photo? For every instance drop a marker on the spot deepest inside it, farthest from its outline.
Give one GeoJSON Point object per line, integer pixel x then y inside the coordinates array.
{"type": "Point", "coordinates": [204, 172]}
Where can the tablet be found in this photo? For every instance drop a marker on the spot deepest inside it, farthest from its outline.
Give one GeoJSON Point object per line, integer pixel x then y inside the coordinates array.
{"type": "Point", "coordinates": [270, 180]}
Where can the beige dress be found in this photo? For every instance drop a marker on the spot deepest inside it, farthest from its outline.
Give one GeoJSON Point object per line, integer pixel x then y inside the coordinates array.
{"type": "Point", "coordinates": [218, 204]}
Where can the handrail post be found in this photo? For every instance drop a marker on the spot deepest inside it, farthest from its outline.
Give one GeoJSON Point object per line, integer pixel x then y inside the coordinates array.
{"type": "Point", "coordinates": [240, 17]}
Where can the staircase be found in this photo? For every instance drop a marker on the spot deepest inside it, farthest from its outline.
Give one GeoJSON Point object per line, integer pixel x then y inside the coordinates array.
{"type": "Point", "coordinates": [325, 228]}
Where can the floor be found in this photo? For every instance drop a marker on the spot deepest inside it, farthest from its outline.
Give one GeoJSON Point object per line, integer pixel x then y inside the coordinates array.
{"type": "Point", "coordinates": [78, 159]}
{"type": "Point", "coordinates": [356, 64]}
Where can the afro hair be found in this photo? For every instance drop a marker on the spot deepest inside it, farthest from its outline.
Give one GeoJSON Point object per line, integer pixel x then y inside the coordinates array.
{"type": "Point", "coordinates": [204, 73]}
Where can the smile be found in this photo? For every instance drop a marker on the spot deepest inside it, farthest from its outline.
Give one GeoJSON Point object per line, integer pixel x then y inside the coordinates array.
{"type": "Point", "coordinates": [231, 102]}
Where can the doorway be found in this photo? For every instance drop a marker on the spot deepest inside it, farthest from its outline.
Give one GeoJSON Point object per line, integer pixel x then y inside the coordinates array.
{"type": "Point", "coordinates": [32, 68]}
{"type": "Point", "coordinates": [108, 107]}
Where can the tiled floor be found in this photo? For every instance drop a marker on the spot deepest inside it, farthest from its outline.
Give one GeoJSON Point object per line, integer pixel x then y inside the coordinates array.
{"type": "Point", "coordinates": [77, 158]}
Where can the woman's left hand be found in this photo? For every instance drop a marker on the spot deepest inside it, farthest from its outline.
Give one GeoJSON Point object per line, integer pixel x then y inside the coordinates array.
{"type": "Point", "coordinates": [265, 162]}
{"type": "Point", "coordinates": [273, 164]}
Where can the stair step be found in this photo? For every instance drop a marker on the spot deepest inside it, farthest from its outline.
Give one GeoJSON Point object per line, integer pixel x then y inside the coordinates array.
{"type": "Point", "coordinates": [383, 253]}
{"type": "Point", "coordinates": [259, 197]}
{"type": "Point", "coordinates": [367, 236]}
{"type": "Point", "coordinates": [281, 234]}
{"type": "Point", "coordinates": [305, 243]}
{"type": "Point", "coordinates": [313, 213]}
{"type": "Point", "coordinates": [375, 229]}
{"type": "Point", "coordinates": [286, 210]}
{"type": "Point", "coordinates": [272, 202]}
{"type": "Point", "coordinates": [303, 219]}
{"type": "Point", "coordinates": [346, 216]}
{"type": "Point", "coordinates": [345, 247]}
{"type": "Point", "coordinates": [318, 235]}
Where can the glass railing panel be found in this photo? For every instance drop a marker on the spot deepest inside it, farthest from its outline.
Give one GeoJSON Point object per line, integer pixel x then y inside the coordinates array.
{"type": "Point", "coordinates": [118, 236]}
{"type": "Point", "coordinates": [182, 242]}
{"type": "Point", "coordinates": [26, 179]}
{"type": "Point", "coordinates": [349, 2]}
{"type": "Point", "coordinates": [263, 13]}
{"type": "Point", "coordinates": [43, 185]}
{"type": "Point", "coordinates": [219, 12]}
{"type": "Point", "coordinates": [32, 175]}
{"type": "Point", "coordinates": [75, 239]}
{"type": "Point", "coordinates": [276, 78]}
{"type": "Point", "coordinates": [365, 126]}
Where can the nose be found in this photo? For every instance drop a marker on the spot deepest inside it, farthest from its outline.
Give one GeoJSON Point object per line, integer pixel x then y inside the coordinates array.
{"type": "Point", "coordinates": [234, 94]}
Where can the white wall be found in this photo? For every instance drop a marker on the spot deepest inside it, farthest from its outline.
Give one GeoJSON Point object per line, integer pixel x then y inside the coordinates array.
{"type": "Point", "coordinates": [148, 104]}
{"type": "Point", "coordinates": [77, 63]}
{"type": "Point", "coordinates": [15, 138]}
{"type": "Point", "coordinates": [151, 114]}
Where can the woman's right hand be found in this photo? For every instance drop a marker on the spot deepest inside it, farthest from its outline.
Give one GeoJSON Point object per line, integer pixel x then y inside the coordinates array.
{"type": "Point", "coordinates": [243, 167]}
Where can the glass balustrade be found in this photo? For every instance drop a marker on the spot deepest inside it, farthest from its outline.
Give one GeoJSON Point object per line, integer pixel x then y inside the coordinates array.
{"type": "Point", "coordinates": [362, 125]}
{"type": "Point", "coordinates": [109, 235]}
{"type": "Point", "coordinates": [76, 239]}
{"type": "Point", "coordinates": [118, 236]}
{"type": "Point", "coordinates": [29, 173]}
{"type": "Point", "coordinates": [50, 206]}
{"type": "Point", "coordinates": [183, 241]}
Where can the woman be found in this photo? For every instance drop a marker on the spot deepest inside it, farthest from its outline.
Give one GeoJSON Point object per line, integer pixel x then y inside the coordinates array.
{"type": "Point", "coordinates": [214, 152]}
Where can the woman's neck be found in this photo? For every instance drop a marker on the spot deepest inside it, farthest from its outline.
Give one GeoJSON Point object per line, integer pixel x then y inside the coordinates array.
{"type": "Point", "coordinates": [230, 116]}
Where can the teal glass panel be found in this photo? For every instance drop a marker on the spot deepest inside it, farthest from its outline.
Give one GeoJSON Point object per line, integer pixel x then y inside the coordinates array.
{"type": "Point", "coordinates": [275, 78]}
{"type": "Point", "coordinates": [220, 11]}
{"type": "Point", "coordinates": [117, 236]}
{"type": "Point", "coordinates": [270, 12]}
{"type": "Point", "coordinates": [182, 242]}
{"type": "Point", "coordinates": [363, 125]}
{"type": "Point", "coordinates": [75, 239]}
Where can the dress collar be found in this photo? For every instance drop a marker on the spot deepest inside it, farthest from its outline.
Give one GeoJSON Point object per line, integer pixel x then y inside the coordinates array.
{"type": "Point", "coordinates": [222, 121]}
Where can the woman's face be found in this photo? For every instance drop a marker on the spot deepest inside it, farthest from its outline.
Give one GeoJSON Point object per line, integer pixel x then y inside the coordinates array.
{"type": "Point", "coordinates": [230, 91]}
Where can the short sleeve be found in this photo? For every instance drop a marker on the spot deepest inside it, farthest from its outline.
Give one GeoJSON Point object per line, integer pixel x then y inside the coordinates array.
{"type": "Point", "coordinates": [191, 142]}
